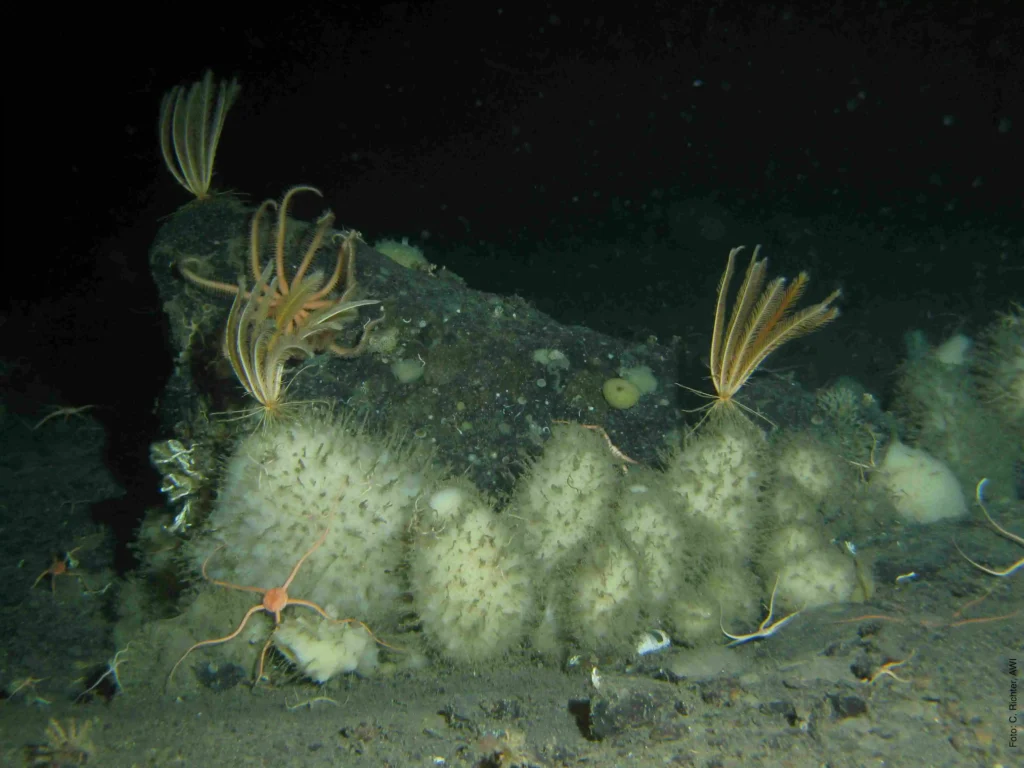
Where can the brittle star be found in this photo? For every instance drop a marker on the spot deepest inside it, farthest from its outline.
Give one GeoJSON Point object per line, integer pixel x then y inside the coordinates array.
{"type": "Point", "coordinates": [767, 628]}
{"type": "Point", "coordinates": [979, 496]}
{"type": "Point", "coordinates": [887, 669]}
{"type": "Point", "coordinates": [111, 672]}
{"type": "Point", "coordinates": [274, 601]}
{"type": "Point", "coordinates": [601, 431]}
{"type": "Point", "coordinates": [61, 566]}
{"type": "Point", "coordinates": [65, 411]}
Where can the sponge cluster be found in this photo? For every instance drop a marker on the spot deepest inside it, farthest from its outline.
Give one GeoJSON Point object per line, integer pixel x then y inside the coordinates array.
{"type": "Point", "coordinates": [583, 558]}
{"type": "Point", "coordinates": [685, 549]}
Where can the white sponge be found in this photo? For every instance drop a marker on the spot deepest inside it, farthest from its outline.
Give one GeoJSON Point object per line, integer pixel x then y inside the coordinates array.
{"type": "Point", "coordinates": [813, 468]}
{"type": "Point", "coordinates": [675, 548]}
{"type": "Point", "coordinates": [922, 488]}
{"type": "Point", "coordinates": [718, 476]}
{"type": "Point", "coordinates": [818, 578]}
{"type": "Point", "coordinates": [472, 588]}
{"type": "Point", "coordinates": [322, 649]}
{"type": "Point", "coordinates": [657, 531]}
{"type": "Point", "coordinates": [566, 493]}
{"type": "Point", "coordinates": [603, 605]}
{"type": "Point", "coordinates": [285, 486]}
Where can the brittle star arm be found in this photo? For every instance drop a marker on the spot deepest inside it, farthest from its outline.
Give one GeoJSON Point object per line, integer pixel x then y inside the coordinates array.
{"type": "Point", "coordinates": [216, 641]}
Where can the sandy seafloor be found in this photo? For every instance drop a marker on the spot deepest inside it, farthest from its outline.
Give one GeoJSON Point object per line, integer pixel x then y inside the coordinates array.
{"type": "Point", "coordinates": [803, 697]}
